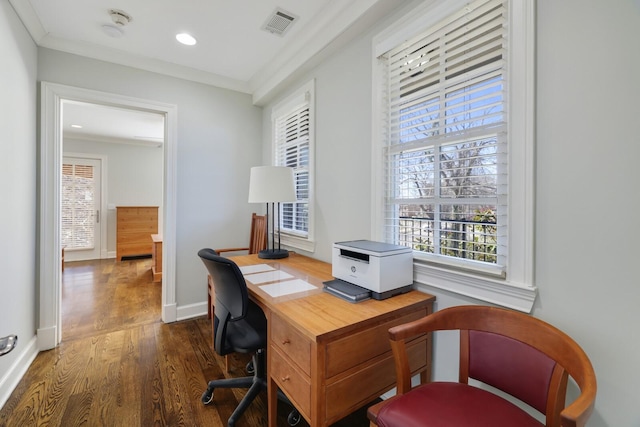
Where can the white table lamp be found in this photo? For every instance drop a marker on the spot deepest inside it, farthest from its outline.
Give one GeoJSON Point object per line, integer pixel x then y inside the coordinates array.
{"type": "Point", "coordinates": [271, 185]}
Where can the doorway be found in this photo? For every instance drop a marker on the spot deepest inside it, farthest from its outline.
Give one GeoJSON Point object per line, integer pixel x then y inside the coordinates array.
{"type": "Point", "coordinates": [52, 97]}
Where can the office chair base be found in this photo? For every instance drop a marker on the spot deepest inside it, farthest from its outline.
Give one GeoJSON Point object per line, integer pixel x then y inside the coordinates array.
{"type": "Point", "coordinates": [255, 386]}
{"type": "Point", "coordinates": [294, 417]}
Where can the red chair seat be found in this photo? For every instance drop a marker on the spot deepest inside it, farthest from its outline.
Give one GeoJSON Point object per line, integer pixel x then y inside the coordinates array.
{"type": "Point", "coordinates": [439, 404]}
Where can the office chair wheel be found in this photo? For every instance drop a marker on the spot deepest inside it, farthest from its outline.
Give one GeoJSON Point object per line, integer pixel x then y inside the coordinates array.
{"type": "Point", "coordinates": [250, 368]}
{"type": "Point", "coordinates": [294, 417]}
{"type": "Point", "coordinates": [207, 396]}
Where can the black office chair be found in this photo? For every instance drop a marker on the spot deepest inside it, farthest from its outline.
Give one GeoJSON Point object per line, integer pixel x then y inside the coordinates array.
{"type": "Point", "coordinates": [240, 326]}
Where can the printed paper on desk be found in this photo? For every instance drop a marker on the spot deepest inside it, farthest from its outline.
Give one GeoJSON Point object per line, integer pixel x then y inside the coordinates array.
{"type": "Point", "coordinates": [258, 268]}
{"type": "Point", "coordinates": [287, 287]}
{"type": "Point", "coordinates": [269, 276]}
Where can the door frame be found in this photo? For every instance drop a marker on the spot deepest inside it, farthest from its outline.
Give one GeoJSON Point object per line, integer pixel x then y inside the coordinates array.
{"type": "Point", "coordinates": [52, 95]}
{"type": "Point", "coordinates": [102, 225]}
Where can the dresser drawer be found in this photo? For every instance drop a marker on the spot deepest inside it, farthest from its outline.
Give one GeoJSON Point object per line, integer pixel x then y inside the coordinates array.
{"type": "Point", "coordinates": [295, 385]}
{"type": "Point", "coordinates": [134, 213]}
{"type": "Point", "coordinates": [140, 226]}
{"type": "Point", "coordinates": [292, 343]}
{"type": "Point", "coordinates": [135, 237]}
{"type": "Point", "coordinates": [348, 352]}
{"type": "Point", "coordinates": [134, 248]}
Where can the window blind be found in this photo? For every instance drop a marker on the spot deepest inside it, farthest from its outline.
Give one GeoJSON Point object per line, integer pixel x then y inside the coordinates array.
{"type": "Point", "coordinates": [446, 134]}
{"type": "Point", "coordinates": [78, 207]}
{"type": "Point", "coordinates": [292, 149]}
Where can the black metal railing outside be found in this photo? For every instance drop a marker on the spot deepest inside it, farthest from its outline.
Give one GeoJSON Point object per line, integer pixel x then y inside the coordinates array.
{"type": "Point", "coordinates": [458, 238]}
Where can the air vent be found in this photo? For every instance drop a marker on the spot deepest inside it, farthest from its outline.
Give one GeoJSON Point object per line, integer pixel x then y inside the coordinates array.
{"type": "Point", "coordinates": [279, 22]}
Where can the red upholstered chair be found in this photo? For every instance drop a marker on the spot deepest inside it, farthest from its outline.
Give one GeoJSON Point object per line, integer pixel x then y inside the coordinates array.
{"type": "Point", "coordinates": [511, 351]}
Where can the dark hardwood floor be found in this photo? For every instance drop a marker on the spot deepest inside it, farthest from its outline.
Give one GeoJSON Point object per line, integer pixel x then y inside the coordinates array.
{"type": "Point", "coordinates": [119, 365]}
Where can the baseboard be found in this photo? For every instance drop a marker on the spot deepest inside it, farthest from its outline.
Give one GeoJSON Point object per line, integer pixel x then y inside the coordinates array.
{"type": "Point", "coordinates": [17, 370]}
{"type": "Point", "coordinates": [169, 313]}
{"type": "Point", "coordinates": [192, 310]}
{"type": "Point", "coordinates": [47, 338]}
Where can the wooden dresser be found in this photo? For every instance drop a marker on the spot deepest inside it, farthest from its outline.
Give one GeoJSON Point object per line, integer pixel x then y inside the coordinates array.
{"type": "Point", "coordinates": [134, 227]}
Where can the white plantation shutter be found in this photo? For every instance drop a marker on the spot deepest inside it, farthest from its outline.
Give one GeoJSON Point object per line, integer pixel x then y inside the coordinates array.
{"type": "Point", "coordinates": [446, 140]}
{"type": "Point", "coordinates": [292, 141]}
{"type": "Point", "coordinates": [78, 206]}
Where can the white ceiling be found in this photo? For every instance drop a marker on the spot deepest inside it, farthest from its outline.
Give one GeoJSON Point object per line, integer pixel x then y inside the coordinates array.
{"type": "Point", "coordinates": [233, 51]}
{"type": "Point", "coordinates": [113, 125]}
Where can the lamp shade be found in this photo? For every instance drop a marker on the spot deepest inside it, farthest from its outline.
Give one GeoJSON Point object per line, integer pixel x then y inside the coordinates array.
{"type": "Point", "coordinates": [269, 184]}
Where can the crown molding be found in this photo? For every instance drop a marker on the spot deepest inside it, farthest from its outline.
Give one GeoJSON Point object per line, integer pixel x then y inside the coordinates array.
{"type": "Point", "coordinates": [29, 19]}
{"type": "Point", "coordinates": [148, 64]}
{"type": "Point", "coordinates": [88, 137]}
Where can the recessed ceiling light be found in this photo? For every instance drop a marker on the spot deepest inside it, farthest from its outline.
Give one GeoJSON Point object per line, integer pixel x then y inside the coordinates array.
{"type": "Point", "coordinates": [76, 126]}
{"type": "Point", "coordinates": [185, 38]}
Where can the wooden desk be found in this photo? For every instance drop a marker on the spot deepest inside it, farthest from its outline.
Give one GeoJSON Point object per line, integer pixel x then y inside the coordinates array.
{"type": "Point", "coordinates": [329, 356]}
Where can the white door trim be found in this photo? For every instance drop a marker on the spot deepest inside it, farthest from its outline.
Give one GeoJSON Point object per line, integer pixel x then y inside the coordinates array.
{"type": "Point", "coordinates": [52, 95]}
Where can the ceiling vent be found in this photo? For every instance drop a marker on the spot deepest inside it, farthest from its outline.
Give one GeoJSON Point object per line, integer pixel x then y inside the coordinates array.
{"type": "Point", "coordinates": [279, 22]}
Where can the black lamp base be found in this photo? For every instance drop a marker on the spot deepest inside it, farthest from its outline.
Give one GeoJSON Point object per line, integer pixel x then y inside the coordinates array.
{"type": "Point", "coordinates": [273, 253]}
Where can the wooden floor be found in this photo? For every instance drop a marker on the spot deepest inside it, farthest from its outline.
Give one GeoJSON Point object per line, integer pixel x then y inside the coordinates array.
{"type": "Point", "coordinates": [119, 365]}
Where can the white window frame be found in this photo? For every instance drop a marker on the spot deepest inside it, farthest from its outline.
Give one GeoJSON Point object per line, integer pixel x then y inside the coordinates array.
{"type": "Point", "coordinates": [517, 290]}
{"type": "Point", "coordinates": [304, 94]}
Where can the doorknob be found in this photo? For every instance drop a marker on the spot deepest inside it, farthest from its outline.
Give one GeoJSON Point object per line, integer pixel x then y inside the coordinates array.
{"type": "Point", "coordinates": [7, 344]}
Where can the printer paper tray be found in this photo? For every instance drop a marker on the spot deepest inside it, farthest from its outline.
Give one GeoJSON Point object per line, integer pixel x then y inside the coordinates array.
{"type": "Point", "coordinates": [347, 291]}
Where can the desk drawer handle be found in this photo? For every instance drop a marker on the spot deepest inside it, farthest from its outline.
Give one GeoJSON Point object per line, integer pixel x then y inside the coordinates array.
{"type": "Point", "coordinates": [286, 341]}
{"type": "Point", "coordinates": [284, 379]}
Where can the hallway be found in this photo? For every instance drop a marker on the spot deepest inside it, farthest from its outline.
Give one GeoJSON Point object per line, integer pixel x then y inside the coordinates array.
{"type": "Point", "coordinates": [120, 365]}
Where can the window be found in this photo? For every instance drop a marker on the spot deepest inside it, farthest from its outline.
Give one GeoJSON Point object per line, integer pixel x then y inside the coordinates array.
{"type": "Point", "coordinates": [77, 230]}
{"type": "Point", "coordinates": [453, 147]}
{"type": "Point", "coordinates": [293, 147]}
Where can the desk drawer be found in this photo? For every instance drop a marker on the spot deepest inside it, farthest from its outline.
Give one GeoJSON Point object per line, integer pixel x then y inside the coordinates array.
{"type": "Point", "coordinates": [292, 343]}
{"type": "Point", "coordinates": [345, 353]}
{"type": "Point", "coordinates": [372, 380]}
{"type": "Point", "coordinates": [295, 385]}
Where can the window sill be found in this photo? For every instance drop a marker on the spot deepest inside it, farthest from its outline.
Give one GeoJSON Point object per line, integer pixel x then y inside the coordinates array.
{"type": "Point", "coordinates": [301, 243]}
{"type": "Point", "coordinates": [495, 291]}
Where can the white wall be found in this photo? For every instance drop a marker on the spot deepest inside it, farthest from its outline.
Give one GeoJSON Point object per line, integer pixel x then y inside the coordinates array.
{"type": "Point", "coordinates": [588, 63]}
{"type": "Point", "coordinates": [18, 195]}
{"type": "Point", "coordinates": [587, 189]}
{"type": "Point", "coordinates": [218, 142]}
{"type": "Point", "coordinates": [134, 176]}
{"type": "Point", "coordinates": [342, 146]}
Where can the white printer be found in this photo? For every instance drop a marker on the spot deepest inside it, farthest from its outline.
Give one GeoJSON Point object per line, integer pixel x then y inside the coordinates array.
{"type": "Point", "coordinates": [383, 268]}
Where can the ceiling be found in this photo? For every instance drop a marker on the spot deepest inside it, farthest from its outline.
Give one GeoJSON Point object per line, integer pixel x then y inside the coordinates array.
{"type": "Point", "coordinates": [233, 50]}
{"type": "Point", "coordinates": [92, 122]}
